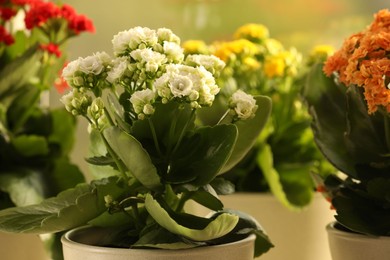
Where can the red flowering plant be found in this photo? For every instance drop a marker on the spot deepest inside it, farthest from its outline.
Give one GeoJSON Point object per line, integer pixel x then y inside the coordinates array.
{"type": "Point", "coordinates": [35, 140]}
{"type": "Point", "coordinates": [349, 100]}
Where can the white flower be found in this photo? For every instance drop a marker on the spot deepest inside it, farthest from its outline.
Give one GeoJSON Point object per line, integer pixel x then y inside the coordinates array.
{"type": "Point", "coordinates": [91, 65]}
{"type": "Point", "coordinates": [141, 101]}
{"type": "Point", "coordinates": [243, 105]}
{"type": "Point", "coordinates": [127, 41]}
{"type": "Point", "coordinates": [120, 42]}
{"type": "Point", "coordinates": [210, 62]}
{"type": "Point", "coordinates": [173, 51]}
{"type": "Point", "coordinates": [119, 67]}
{"type": "Point", "coordinates": [104, 58]}
{"type": "Point", "coordinates": [76, 102]}
{"type": "Point", "coordinates": [180, 86]}
{"type": "Point", "coordinates": [165, 34]}
{"type": "Point", "coordinates": [192, 84]}
{"type": "Point", "coordinates": [70, 70]}
{"type": "Point", "coordinates": [152, 60]}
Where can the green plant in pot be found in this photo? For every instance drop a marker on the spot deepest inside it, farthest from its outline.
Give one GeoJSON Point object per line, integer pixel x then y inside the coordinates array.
{"type": "Point", "coordinates": [153, 152]}
{"type": "Point", "coordinates": [35, 140]}
{"type": "Point", "coordinates": [284, 155]}
{"type": "Point", "coordinates": [348, 98]}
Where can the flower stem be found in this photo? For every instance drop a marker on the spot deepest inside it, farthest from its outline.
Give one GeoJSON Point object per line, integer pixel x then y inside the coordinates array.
{"type": "Point", "coordinates": [184, 130]}
{"type": "Point", "coordinates": [154, 134]}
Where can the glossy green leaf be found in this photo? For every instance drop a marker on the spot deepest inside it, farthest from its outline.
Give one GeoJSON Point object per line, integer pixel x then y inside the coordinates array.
{"type": "Point", "coordinates": [158, 237]}
{"type": "Point", "coordinates": [18, 72]}
{"type": "Point", "coordinates": [23, 179]}
{"type": "Point", "coordinates": [200, 157]}
{"type": "Point", "coordinates": [248, 131]}
{"type": "Point", "coordinates": [63, 130]}
{"type": "Point", "coordinates": [134, 156]}
{"type": "Point", "coordinates": [265, 161]}
{"type": "Point", "coordinates": [215, 228]}
{"type": "Point", "coordinates": [30, 145]}
{"type": "Point", "coordinates": [327, 101]}
{"type": "Point", "coordinates": [70, 208]}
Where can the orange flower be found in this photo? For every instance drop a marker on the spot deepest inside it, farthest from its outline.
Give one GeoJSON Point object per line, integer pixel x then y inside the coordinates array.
{"type": "Point", "coordinates": [363, 61]}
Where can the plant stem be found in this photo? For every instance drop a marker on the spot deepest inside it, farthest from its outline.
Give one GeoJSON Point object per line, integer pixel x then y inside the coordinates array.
{"type": "Point", "coordinates": [154, 134]}
{"type": "Point", "coordinates": [183, 131]}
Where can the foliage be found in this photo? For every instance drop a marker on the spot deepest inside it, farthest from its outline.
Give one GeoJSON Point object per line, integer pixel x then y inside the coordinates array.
{"type": "Point", "coordinates": [285, 154]}
{"type": "Point", "coordinates": [142, 108]}
{"type": "Point", "coordinates": [35, 140]}
{"type": "Point", "coordinates": [348, 99]}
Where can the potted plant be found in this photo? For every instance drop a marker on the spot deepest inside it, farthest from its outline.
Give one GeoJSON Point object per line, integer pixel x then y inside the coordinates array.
{"type": "Point", "coordinates": [35, 140]}
{"type": "Point", "coordinates": [284, 156]}
{"type": "Point", "coordinates": [155, 155]}
{"type": "Point", "coordinates": [348, 98]}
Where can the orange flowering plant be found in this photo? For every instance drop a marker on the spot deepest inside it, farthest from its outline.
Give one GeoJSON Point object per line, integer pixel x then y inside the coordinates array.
{"type": "Point", "coordinates": [285, 154]}
{"type": "Point", "coordinates": [349, 100]}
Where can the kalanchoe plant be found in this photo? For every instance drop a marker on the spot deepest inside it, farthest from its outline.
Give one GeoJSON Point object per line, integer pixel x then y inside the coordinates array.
{"type": "Point", "coordinates": [35, 140]}
{"type": "Point", "coordinates": [142, 108]}
{"type": "Point", "coordinates": [285, 154]}
{"type": "Point", "coordinates": [349, 100]}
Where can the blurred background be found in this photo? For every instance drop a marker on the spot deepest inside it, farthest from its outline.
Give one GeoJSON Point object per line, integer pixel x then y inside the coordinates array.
{"type": "Point", "coordinates": [299, 23]}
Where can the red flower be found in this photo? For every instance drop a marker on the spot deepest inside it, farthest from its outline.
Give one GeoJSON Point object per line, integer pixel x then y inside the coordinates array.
{"type": "Point", "coordinates": [40, 12]}
{"type": "Point", "coordinates": [25, 2]}
{"type": "Point", "coordinates": [7, 13]}
{"type": "Point", "coordinates": [51, 48]}
{"type": "Point", "coordinates": [5, 37]}
{"type": "Point", "coordinates": [81, 23]}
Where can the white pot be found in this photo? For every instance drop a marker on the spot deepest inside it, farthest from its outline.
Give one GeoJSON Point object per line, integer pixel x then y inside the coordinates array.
{"type": "Point", "coordinates": [346, 245]}
{"type": "Point", "coordinates": [296, 235]}
{"type": "Point", "coordinates": [78, 244]}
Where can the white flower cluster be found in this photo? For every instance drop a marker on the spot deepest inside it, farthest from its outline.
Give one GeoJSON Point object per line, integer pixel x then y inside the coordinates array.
{"type": "Point", "coordinates": [76, 102]}
{"type": "Point", "coordinates": [243, 106]}
{"type": "Point", "coordinates": [86, 72]}
{"type": "Point", "coordinates": [195, 85]}
{"type": "Point", "coordinates": [149, 65]}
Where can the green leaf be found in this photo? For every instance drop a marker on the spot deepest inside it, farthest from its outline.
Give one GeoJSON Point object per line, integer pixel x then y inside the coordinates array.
{"type": "Point", "coordinates": [296, 183]}
{"type": "Point", "coordinates": [248, 131]}
{"type": "Point", "coordinates": [265, 161]}
{"type": "Point", "coordinates": [18, 72]}
{"type": "Point", "coordinates": [30, 145]}
{"type": "Point", "coordinates": [206, 199]}
{"type": "Point", "coordinates": [169, 121]}
{"type": "Point", "coordinates": [63, 130]}
{"type": "Point", "coordinates": [200, 157]}
{"type": "Point", "coordinates": [23, 185]}
{"type": "Point", "coordinates": [246, 225]}
{"type": "Point", "coordinates": [134, 156]}
{"type": "Point", "coordinates": [327, 101]}
{"type": "Point", "coordinates": [65, 175]}
{"type": "Point", "coordinates": [157, 237]}
{"type": "Point", "coordinates": [69, 209]}
{"type": "Point", "coordinates": [215, 228]}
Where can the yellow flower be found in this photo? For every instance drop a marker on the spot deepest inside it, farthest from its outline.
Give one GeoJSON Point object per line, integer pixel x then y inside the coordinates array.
{"type": "Point", "coordinates": [195, 47]}
{"type": "Point", "coordinates": [320, 53]}
{"type": "Point", "coordinates": [252, 31]}
{"type": "Point", "coordinates": [241, 47]}
{"type": "Point", "coordinates": [273, 46]}
{"type": "Point", "coordinates": [251, 63]}
{"type": "Point", "coordinates": [274, 66]}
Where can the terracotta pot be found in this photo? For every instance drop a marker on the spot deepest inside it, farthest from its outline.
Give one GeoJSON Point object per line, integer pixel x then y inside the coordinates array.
{"type": "Point", "coordinates": [346, 245]}
{"type": "Point", "coordinates": [79, 244]}
{"type": "Point", "coordinates": [297, 235]}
